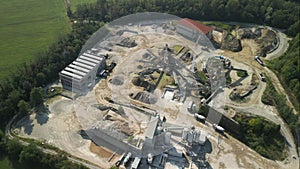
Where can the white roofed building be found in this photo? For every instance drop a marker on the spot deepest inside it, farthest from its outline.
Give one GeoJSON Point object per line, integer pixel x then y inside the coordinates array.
{"type": "Point", "coordinates": [80, 75]}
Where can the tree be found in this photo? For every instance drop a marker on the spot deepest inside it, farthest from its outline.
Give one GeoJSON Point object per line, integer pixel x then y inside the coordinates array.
{"type": "Point", "coordinates": [232, 8]}
{"type": "Point", "coordinates": [14, 148]}
{"type": "Point", "coordinates": [40, 79]}
{"type": "Point", "coordinates": [2, 142]}
{"type": "Point", "coordinates": [30, 156]}
{"type": "Point", "coordinates": [24, 107]}
{"type": "Point", "coordinates": [256, 124]}
{"type": "Point", "coordinates": [36, 97]}
{"type": "Point", "coordinates": [14, 96]}
{"type": "Point", "coordinates": [294, 29]}
{"type": "Point", "coordinates": [26, 86]}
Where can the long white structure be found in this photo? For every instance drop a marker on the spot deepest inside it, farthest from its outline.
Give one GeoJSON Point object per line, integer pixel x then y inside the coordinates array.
{"type": "Point", "coordinates": [192, 29]}
{"type": "Point", "coordinates": [80, 75]}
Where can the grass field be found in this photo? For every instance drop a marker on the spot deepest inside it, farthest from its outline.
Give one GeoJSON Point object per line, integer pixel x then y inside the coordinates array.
{"type": "Point", "coordinates": [74, 3]}
{"type": "Point", "coordinates": [27, 27]}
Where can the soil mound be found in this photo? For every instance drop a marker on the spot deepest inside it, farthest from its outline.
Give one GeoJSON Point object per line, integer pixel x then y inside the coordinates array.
{"type": "Point", "coordinates": [145, 97]}
{"type": "Point", "coordinates": [138, 81]}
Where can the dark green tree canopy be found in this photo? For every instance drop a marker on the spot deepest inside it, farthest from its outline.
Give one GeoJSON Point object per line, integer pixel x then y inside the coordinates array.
{"type": "Point", "coordinates": [36, 97]}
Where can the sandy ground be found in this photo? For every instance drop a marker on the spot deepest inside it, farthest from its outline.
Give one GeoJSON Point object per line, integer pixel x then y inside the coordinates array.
{"type": "Point", "coordinates": [60, 128]}
{"type": "Point", "coordinates": [104, 152]}
{"type": "Point", "coordinates": [255, 105]}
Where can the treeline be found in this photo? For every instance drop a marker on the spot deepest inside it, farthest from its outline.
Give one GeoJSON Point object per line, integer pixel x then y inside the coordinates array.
{"type": "Point", "coordinates": [31, 157]}
{"type": "Point", "coordinates": [22, 89]}
{"type": "Point", "coordinates": [273, 98]}
{"type": "Point", "coordinates": [276, 13]}
{"type": "Point", "coordinates": [287, 67]}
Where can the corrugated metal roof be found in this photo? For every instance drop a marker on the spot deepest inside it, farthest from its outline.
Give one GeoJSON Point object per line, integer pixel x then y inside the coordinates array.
{"type": "Point", "coordinates": [72, 75]}
{"type": "Point", "coordinates": [89, 59]}
{"type": "Point", "coordinates": [92, 56]}
{"type": "Point", "coordinates": [86, 62]}
{"type": "Point", "coordinates": [82, 65]}
{"type": "Point", "coordinates": [78, 68]}
{"type": "Point", "coordinates": [69, 69]}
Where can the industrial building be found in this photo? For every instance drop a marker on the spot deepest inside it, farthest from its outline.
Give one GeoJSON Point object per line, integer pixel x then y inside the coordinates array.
{"type": "Point", "coordinates": [80, 75]}
{"type": "Point", "coordinates": [192, 136]}
{"type": "Point", "coordinates": [192, 29]}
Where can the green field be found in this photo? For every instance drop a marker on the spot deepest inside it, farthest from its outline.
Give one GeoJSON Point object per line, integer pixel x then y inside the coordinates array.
{"type": "Point", "coordinates": [74, 3]}
{"type": "Point", "coordinates": [27, 27]}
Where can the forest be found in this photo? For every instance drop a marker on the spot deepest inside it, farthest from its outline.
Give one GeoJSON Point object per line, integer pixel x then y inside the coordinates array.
{"type": "Point", "coordinates": [31, 157]}
{"type": "Point", "coordinates": [24, 88]}
{"type": "Point", "coordinates": [276, 13]}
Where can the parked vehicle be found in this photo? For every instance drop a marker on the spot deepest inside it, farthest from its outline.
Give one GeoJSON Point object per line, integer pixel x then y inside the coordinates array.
{"type": "Point", "coordinates": [218, 128]}
{"type": "Point", "coordinates": [259, 60]}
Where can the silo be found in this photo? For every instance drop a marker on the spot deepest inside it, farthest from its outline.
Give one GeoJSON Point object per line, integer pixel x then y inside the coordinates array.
{"type": "Point", "coordinates": [167, 138]}
{"type": "Point", "coordinates": [190, 136]}
{"type": "Point", "coordinates": [185, 133]}
{"type": "Point", "coordinates": [150, 158]}
{"type": "Point", "coordinates": [203, 137]}
{"type": "Point", "coordinates": [196, 136]}
{"type": "Point", "coordinates": [159, 130]}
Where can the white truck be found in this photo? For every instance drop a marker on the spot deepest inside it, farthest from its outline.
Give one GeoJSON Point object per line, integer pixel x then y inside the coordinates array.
{"type": "Point", "coordinates": [259, 60]}
{"type": "Point", "coordinates": [218, 128]}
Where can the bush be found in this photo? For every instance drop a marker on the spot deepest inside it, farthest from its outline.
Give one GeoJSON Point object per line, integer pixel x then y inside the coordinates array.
{"type": "Point", "coordinates": [242, 73]}
{"type": "Point", "coordinates": [267, 97]}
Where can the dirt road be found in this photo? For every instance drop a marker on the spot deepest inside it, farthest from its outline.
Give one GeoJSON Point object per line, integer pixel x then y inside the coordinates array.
{"type": "Point", "coordinates": [279, 88]}
{"type": "Point", "coordinates": [282, 47]}
{"type": "Point", "coordinates": [246, 56]}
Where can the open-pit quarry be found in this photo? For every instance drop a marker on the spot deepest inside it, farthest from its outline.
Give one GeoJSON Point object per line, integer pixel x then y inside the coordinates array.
{"type": "Point", "coordinates": [143, 110]}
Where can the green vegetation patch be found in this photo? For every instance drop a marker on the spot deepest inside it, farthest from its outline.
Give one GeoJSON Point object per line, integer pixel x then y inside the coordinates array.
{"type": "Point", "coordinates": [27, 28]}
{"type": "Point", "coordinates": [34, 158]}
{"type": "Point", "coordinates": [242, 73]}
{"type": "Point", "coordinates": [5, 163]}
{"type": "Point", "coordinates": [201, 75]}
{"type": "Point", "coordinates": [227, 27]}
{"type": "Point", "coordinates": [165, 80]}
{"type": "Point", "coordinates": [261, 135]}
{"type": "Point", "coordinates": [270, 91]}
{"type": "Point", "coordinates": [203, 110]}
{"type": "Point", "coordinates": [176, 48]}
{"type": "Point", "coordinates": [287, 68]}
{"type": "Point", "coordinates": [228, 80]}
{"type": "Point", "coordinates": [272, 97]}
